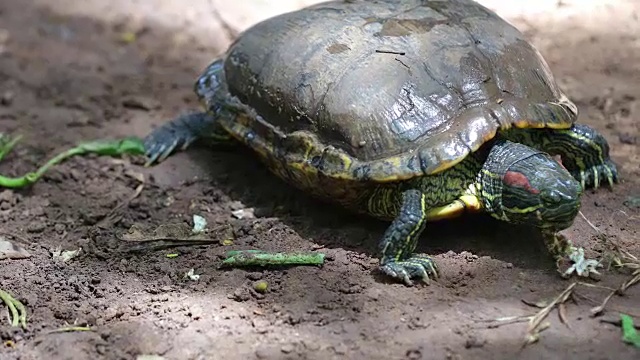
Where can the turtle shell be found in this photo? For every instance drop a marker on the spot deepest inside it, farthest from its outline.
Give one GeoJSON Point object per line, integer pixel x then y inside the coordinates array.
{"type": "Point", "coordinates": [387, 90]}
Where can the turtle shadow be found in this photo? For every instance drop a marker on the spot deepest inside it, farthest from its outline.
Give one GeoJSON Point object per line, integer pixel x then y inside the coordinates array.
{"type": "Point", "coordinates": [241, 176]}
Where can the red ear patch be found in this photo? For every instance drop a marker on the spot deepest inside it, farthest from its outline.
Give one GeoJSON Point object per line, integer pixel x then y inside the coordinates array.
{"type": "Point", "coordinates": [513, 178]}
{"type": "Point", "coordinates": [558, 159]}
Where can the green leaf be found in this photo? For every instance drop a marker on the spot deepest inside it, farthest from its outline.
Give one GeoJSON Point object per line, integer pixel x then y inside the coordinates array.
{"type": "Point", "coordinates": [629, 333]}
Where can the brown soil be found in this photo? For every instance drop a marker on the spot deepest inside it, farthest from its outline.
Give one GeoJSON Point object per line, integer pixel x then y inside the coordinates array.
{"type": "Point", "coordinates": [66, 76]}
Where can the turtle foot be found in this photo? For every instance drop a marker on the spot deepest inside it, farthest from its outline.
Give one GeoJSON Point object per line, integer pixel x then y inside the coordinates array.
{"type": "Point", "coordinates": [176, 134]}
{"type": "Point", "coordinates": [597, 175]}
{"type": "Point", "coordinates": [417, 266]}
{"type": "Point", "coordinates": [570, 259]}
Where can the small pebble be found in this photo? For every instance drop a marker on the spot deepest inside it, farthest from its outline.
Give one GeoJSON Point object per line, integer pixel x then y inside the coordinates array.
{"type": "Point", "coordinates": [7, 195]}
{"type": "Point", "coordinates": [244, 213]}
{"type": "Point", "coordinates": [254, 276]}
{"type": "Point", "coordinates": [150, 357]}
{"type": "Point", "coordinates": [140, 103]}
{"type": "Point", "coordinates": [628, 139]}
{"type": "Point", "coordinates": [262, 353]}
{"type": "Point", "coordinates": [288, 348]}
{"type": "Point", "coordinates": [36, 226]}
{"type": "Point", "coordinates": [414, 354]}
{"type": "Point", "coordinates": [632, 202]}
{"type": "Point", "coordinates": [260, 323]}
{"type": "Point", "coordinates": [311, 345]}
{"type": "Point", "coordinates": [6, 99]}
{"type": "Point", "coordinates": [59, 228]}
{"type": "Point", "coordinates": [236, 205]}
{"type": "Point", "coordinates": [261, 286]}
{"type": "Point", "coordinates": [37, 211]}
{"type": "Point", "coordinates": [240, 294]}
{"type": "Point", "coordinates": [341, 349]}
{"type": "Point", "coordinates": [474, 342]}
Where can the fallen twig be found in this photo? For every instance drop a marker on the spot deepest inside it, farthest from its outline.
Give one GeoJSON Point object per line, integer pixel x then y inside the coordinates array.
{"type": "Point", "coordinates": [496, 323]}
{"type": "Point", "coordinates": [622, 259]}
{"type": "Point", "coordinates": [69, 329]}
{"type": "Point", "coordinates": [595, 286]}
{"type": "Point", "coordinates": [536, 325]}
{"type": "Point", "coordinates": [162, 244]}
{"type": "Point", "coordinates": [562, 314]}
{"type": "Point", "coordinates": [590, 223]}
{"type": "Point", "coordinates": [613, 308]}
{"type": "Point", "coordinates": [598, 310]}
{"type": "Point", "coordinates": [391, 52]}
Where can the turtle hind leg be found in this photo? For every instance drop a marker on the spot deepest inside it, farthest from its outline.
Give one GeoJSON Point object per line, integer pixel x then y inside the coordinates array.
{"type": "Point", "coordinates": [184, 130]}
{"type": "Point", "coordinates": [181, 132]}
{"type": "Point", "coordinates": [400, 240]}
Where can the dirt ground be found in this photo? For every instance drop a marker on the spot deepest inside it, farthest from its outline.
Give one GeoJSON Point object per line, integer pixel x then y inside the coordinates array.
{"type": "Point", "coordinates": [72, 70]}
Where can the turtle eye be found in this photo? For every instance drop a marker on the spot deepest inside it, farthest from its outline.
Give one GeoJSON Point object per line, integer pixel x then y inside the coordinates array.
{"type": "Point", "coordinates": [551, 197]}
{"type": "Point", "coordinates": [315, 161]}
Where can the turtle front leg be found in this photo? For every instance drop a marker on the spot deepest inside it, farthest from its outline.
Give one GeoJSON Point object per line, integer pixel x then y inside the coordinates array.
{"type": "Point", "coordinates": [583, 151]}
{"type": "Point", "coordinates": [400, 240]}
{"type": "Point", "coordinates": [569, 259]}
{"type": "Point", "coordinates": [181, 132]}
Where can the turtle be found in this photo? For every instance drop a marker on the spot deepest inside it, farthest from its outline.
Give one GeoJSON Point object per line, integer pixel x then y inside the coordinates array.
{"type": "Point", "coordinates": [408, 111]}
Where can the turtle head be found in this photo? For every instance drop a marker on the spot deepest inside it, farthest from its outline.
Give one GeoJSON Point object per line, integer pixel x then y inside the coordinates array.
{"type": "Point", "coordinates": [210, 84]}
{"type": "Point", "coordinates": [522, 185]}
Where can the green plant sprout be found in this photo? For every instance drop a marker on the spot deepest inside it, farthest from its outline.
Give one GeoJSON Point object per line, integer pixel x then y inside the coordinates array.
{"type": "Point", "coordinates": [130, 145]}
{"type": "Point", "coordinates": [237, 258]}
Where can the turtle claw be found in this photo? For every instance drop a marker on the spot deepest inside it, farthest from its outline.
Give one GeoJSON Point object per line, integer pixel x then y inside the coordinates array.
{"type": "Point", "coordinates": [417, 266]}
{"type": "Point", "coordinates": [597, 175]}
{"type": "Point", "coordinates": [157, 152]}
{"type": "Point", "coordinates": [176, 134]}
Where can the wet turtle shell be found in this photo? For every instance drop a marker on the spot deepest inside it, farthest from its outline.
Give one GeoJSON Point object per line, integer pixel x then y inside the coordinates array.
{"type": "Point", "coordinates": [384, 90]}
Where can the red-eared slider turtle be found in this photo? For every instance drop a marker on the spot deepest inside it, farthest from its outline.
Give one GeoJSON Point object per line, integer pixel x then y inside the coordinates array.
{"type": "Point", "coordinates": [408, 111]}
